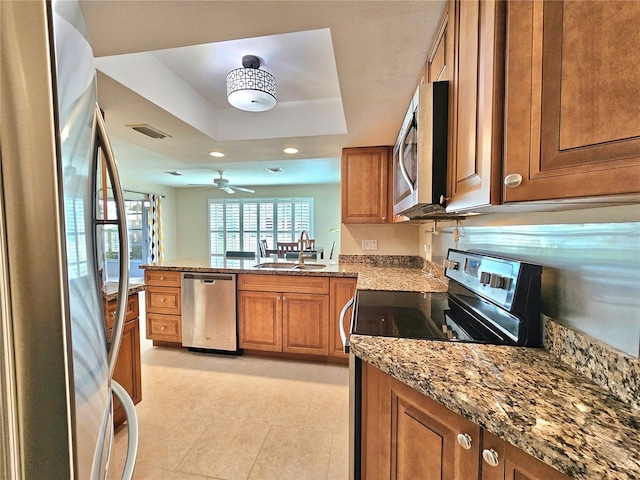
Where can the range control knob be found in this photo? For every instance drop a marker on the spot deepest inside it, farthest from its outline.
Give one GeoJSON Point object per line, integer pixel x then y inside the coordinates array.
{"type": "Point", "coordinates": [485, 277]}
{"type": "Point", "coordinates": [496, 281]}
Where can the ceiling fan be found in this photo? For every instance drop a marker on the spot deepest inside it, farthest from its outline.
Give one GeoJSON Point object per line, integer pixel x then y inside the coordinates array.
{"type": "Point", "coordinates": [223, 184]}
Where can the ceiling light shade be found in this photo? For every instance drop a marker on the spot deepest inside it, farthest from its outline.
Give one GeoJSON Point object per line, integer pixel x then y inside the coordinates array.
{"type": "Point", "coordinates": [291, 150]}
{"type": "Point", "coordinates": [250, 88]}
{"type": "Point", "coordinates": [216, 154]}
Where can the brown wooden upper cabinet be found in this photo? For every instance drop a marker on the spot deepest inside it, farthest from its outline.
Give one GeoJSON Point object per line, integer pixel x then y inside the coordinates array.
{"type": "Point", "coordinates": [365, 185]}
{"type": "Point", "coordinates": [572, 109]}
{"type": "Point", "coordinates": [476, 29]}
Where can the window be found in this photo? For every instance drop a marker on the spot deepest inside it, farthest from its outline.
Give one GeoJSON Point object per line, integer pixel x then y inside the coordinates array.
{"type": "Point", "coordinates": [240, 224]}
{"type": "Point", "coordinates": [137, 212]}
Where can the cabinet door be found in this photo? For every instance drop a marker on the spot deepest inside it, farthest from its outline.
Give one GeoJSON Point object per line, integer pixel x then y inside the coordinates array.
{"type": "Point", "coordinates": [514, 464]}
{"type": "Point", "coordinates": [342, 289]}
{"type": "Point", "coordinates": [365, 185]}
{"type": "Point", "coordinates": [572, 124]}
{"type": "Point", "coordinates": [260, 320]}
{"type": "Point", "coordinates": [127, 370]}
{"type": "Point", "coordinates": [412, 436]}
{"type": "Point", "coordinates": [476, 93]}
{"type": "Point", "coordinates": [305, 323]}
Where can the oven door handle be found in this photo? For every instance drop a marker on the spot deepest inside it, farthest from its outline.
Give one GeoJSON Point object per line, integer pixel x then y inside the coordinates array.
{"type": "Point", "coordinates": [343, 335]}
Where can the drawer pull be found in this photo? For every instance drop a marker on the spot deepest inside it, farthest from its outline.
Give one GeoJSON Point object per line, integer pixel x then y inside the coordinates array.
{"type": "Point", "coordinates": [464, 439]}
{"type": "Point", "coordinates": [163, 327]}
{"type": "Point", "coordinates": [491, 457]}
{"type": "Point", "coordinates": [162, 300]}
{"type": "Point", "coordinates": [161, 278]}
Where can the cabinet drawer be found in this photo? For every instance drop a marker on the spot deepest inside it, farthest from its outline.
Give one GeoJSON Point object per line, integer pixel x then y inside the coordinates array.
{"type": "Point", "coordinates": [164, 300]}
{"type": "Point", "coordinates": [162, 278]}
{"type": "Point", "coordinates": [167, 328]}
{"type": "Point", "coordinates": [284, 283]}
{"type": "Point", "coordinates": [131, 310]}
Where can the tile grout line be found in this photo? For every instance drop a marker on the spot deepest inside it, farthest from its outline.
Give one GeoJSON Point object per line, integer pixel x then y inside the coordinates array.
{"type": "Point", "coordinates": [259, 450]}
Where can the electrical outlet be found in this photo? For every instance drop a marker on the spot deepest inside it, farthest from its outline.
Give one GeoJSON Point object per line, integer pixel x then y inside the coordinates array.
{"type": "Point", "coordinates": [369, 245]}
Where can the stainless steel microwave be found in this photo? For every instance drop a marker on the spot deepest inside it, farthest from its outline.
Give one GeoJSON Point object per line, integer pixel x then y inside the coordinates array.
{"type": "Point", "coordinates": [420, 154]}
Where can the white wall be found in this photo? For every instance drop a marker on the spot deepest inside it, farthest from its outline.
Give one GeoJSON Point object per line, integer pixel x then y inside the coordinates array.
{"type": "Point", "coordinates": [192, 214]}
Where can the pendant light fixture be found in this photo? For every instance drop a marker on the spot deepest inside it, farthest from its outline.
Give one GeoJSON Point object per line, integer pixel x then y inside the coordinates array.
{"type": "Point", "coordinates": [250, 88]}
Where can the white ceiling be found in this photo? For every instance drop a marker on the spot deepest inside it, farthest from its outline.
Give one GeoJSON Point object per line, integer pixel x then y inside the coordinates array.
{"type": "Point", "coordinates": [346, 71]}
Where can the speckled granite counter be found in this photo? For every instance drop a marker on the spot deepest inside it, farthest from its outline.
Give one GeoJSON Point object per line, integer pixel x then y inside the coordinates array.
{"type": "Point", "coordinates": [110, 289]}
{"type": "Point", "coordinates": [370, 277]}
{"type": "Point", "coordinates": [522, 395]}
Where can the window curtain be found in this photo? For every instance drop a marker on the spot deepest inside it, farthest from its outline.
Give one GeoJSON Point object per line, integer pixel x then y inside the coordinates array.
{"type": "Point", "coordinates": [156, 242]}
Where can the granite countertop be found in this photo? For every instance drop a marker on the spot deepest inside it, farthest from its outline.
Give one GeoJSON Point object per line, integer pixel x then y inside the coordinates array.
{"type": "Point", "coordinates": [370, 277]}
{"type": "Point", "coordinates": [110, 289]}
{"type": "Point", "coordinates": [523, 396]}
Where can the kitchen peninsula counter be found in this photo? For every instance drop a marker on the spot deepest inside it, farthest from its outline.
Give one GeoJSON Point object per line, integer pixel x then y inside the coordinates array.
{"type": "Point", "coordinates": [370, 277]}
{"type": "Point", "coordinates": [522, 395]}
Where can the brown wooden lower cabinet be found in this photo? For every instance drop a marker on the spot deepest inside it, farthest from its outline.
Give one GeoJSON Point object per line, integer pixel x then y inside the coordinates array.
{"type": "Point", "coordinates": [288, 314]}
{"type": "Point", "coordinates": [406, 435]}
{"type": "Point", "coordinates": [127, 371]}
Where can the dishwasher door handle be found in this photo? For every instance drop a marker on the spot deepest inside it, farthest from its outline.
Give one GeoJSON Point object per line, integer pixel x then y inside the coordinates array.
{"type": "Point", "coordinates": [208, 278]}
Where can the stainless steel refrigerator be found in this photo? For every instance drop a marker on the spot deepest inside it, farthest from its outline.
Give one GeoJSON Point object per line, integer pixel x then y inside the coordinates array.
{"type": "Point", "coordinates": [56, 361]}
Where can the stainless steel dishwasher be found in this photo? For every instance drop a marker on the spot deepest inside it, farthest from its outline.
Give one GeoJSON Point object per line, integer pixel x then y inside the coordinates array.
{"type": "Point", "coordinates": [209, 312]}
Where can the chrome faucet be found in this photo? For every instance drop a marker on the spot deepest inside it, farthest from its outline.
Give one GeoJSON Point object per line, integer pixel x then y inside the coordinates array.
{"type": "Point", "coordinates": [302, 244]}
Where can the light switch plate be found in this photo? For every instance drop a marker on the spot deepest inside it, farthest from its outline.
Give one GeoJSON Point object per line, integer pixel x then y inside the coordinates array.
{"type": "Point", "coordinates": [369, 245]}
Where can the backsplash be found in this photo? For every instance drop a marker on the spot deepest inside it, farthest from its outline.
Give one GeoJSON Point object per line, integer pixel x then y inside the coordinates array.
{"type": "Point", "coordinates": [605, 366]}
{"type": "Point", "coordinates": [591, 271]}
{"type": "Point", "coordinates": [392, 261]}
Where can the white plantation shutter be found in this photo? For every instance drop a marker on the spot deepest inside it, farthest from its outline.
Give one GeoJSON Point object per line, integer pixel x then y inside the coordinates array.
{"type": "Point", "coordinates": [241, 224]}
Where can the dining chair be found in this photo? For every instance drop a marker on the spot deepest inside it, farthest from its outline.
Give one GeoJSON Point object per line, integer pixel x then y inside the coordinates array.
{"type": "Point", "coordinates": [333, 247]}
{"type": "Point", "coordinates": [310, 244]}
{"type": "Point", "coordinates": [264, 246]}
{"type": "Point", "coordinates": [284, 247]}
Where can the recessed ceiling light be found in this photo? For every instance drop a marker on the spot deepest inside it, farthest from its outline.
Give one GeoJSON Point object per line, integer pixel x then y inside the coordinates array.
{"type": "Point", "coordinates": [216, 154]}
{"type": "Point", "coordinates": [274, 169]}
{"type": "Point", "coordinates": [291, 150]}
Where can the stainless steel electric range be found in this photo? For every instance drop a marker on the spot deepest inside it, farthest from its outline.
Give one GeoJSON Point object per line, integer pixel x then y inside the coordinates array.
{"type": "Point", "coordinates": [490, 299]}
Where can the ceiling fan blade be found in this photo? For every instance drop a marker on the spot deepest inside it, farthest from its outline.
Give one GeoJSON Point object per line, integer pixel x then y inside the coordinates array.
{"type": "Point", "coordinates": [227, 189]}
{"type": "Point", "coordinates": [242, 189]}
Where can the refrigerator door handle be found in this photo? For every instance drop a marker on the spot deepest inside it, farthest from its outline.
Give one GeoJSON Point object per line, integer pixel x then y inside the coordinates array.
{"type": "Point", "coordinates": [132, 428]}
{"type": "Point", "coordinates": [343, 335]}
{"type": "Point", "coordinates": [102, 141]}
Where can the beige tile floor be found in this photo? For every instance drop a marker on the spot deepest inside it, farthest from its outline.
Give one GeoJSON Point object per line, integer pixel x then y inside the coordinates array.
{"type": "Point", "coordinates": [238, 418]}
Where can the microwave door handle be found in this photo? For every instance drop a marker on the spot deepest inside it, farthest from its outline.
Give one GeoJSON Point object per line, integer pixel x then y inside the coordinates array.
{"type": "Point", "coordinates": [343, 335]}
{"type": "Point", "coordinates": [403, 167]}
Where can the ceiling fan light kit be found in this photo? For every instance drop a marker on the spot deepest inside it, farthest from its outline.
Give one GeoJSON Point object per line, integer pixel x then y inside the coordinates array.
{"type": "Point", "coordinates": [250, 88]}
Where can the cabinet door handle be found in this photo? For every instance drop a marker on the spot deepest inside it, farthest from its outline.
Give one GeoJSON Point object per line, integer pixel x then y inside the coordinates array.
{"type": "Point", "coordinates": [512, 180]}
{"type": "Point", "coordinates": [284, 297]}
{"type": "Point", "coordinates": [464, 439]}
{"type": "Point", "coordinates": [278, 297]}
{"type": "Point", "coordinates": [491, 457]}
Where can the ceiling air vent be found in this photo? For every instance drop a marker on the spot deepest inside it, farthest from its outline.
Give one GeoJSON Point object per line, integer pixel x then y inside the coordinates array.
{"type": "Point", "coordinates": [274, 169]}
{"type": "Point", "coordinates": [149, 131]}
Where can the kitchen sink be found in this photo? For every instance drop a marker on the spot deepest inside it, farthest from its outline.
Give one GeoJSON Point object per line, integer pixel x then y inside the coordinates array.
{"type": "Point", "coordinates": [291, 266]}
